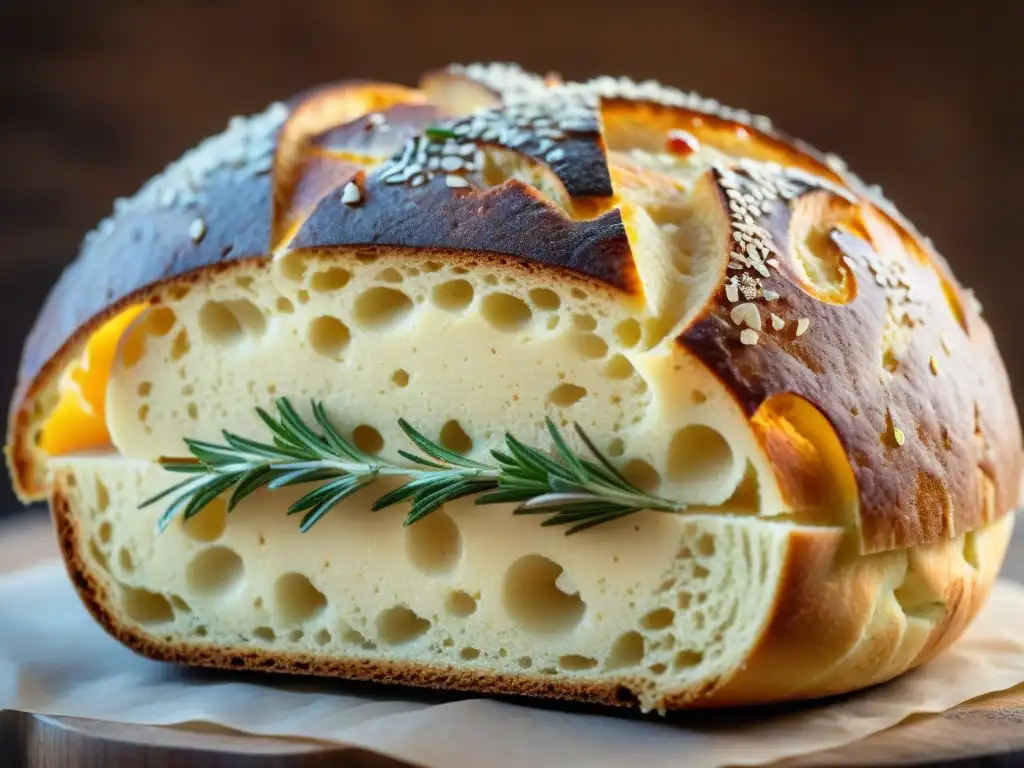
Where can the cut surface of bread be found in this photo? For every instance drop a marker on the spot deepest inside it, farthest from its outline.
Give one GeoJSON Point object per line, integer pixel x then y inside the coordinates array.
{"type": "Point", "coordinates": [739, 325]}
{"type": "Point", "coordinates": [659, 611]}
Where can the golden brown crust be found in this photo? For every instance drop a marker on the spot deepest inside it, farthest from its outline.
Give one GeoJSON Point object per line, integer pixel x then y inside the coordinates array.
{"type": "Point", "coordinates": [948, 376]}
{"type": "Point", "coordinates": [833, 627]}
{"type": "Point", "coordinates": [898, 362]}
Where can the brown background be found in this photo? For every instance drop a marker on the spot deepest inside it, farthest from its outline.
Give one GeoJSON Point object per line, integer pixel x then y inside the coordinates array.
{"type": "Point", "coordinates": [921, 97]}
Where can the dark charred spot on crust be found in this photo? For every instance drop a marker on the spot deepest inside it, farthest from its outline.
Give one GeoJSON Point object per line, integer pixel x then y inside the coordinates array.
{"type": "Point", "coordinates": [510, 219]}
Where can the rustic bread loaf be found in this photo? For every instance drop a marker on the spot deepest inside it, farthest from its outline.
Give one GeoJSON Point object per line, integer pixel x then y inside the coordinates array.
{"type": "Point", "coordinates": [739, 325]}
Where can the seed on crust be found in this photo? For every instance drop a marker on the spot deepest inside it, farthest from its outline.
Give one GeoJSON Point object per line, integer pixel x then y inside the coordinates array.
{"type": "Point", "coordinates": [351, 194]}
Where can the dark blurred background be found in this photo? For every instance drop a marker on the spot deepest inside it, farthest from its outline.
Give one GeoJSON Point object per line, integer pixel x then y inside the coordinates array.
{"type": "Point", "coordinates": [923, 98]}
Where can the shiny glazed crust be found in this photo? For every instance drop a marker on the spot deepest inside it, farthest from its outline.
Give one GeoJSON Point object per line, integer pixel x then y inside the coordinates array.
{"type": "Point", "coordinates": [925, 443]}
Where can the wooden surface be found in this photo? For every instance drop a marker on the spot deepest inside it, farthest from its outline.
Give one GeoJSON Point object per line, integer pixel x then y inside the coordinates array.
{"type": "Point", "coordinates": [985, 732]}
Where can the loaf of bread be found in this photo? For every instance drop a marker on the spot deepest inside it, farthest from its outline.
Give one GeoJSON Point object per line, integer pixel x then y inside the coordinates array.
{"type": "Point", "coordinates": [777, 429]}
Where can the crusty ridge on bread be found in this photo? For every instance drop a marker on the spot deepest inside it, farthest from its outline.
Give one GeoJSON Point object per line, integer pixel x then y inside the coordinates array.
{"type": "Point", "coordinates": [733, 317]}
{"type": "Point", "coordinates": [254, 194]}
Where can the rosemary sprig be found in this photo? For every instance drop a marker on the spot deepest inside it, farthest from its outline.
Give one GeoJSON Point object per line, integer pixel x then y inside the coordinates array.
{"type": "Point", "coordinates": [439, 133]}
{"type": "Point", "coordinates": [572, 490]}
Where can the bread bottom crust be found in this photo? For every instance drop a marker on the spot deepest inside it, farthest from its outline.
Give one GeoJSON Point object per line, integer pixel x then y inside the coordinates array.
{"type": "Point", "coordinates": [839, 622]}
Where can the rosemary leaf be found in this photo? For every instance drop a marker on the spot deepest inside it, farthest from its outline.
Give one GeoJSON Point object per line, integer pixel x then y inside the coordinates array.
{"type": "Point", "coordinates": [568, 489]}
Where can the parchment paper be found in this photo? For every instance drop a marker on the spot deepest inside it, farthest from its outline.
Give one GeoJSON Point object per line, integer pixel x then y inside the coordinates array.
{"type": "Point", "coordinates": [55, 660]}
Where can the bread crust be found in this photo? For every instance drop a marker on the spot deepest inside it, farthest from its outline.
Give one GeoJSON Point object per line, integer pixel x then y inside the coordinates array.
{"type": "Point", "coordinates": [831, 629]}
{"type": "Point", "coordinates": [938, 415]}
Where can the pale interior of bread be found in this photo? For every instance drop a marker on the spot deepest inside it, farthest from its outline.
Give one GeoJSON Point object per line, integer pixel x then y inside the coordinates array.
{"type": "Point", "coordinates": [658, 602]}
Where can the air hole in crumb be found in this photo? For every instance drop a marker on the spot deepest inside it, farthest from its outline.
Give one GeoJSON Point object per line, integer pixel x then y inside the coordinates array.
{"type": "Point", "coordinates": [266, 634]}
{"type": "Point", "coordinates": [460, 604]}
{"type": "Point", "coordinates": [181, 345]}
{"type": "Point", "coordinates": [179, 604]}
{"type": "Point", "coordinates": [105, 532]}
{"type": "Point", "coordinates": [574, 662]}
{"type": "Point", "coordinates": [700, 572]}
{"type": "Point", "coordinates": [227, 322]}
{"type": "Point", "coordinates": [619, 368]}
{"type": "Point", "coordinates": [697, 397]}
{"type": "Point", "coordinates": [296, 600]}
{"type": "Point", "coordinates": [284, 305]}
{"type": "Point", "coordinates": [355, 637]}
{"type": "Point", "coordinates": [124, 558]}
{"type": "Point", "coordinates": [660, 618]}
{"type": "Point", "coordinates": [322, 637]}
{"type": "Point", "coordinates": [588, 345]}
{"type": "Point", "coordinates": [642, 475]}
{"type": "Point", "coordinates": [145, 607]}
{"type": "Point", "coordinates": [98, 556]}
{"type": "Point", "coordinates": [296, 635]}
{"type": "Point", "coordinates": [687, 658]}
{"type": "Point", "coordinates": [552, 322]}
{"type": "Point", "coordinates": [434, 544]}
{"type": "Point", "coordinates": [505, 312]}
{"type": "Point", "coordinates": [331, 279]}
{"type": "Point", "coordinates": [579, 293]}
{"type": "Point", "coordinates": [533, 599]}
{"type": "Point", "coordinates": [565, 395]}
{"type": "Point", "coordinates": [390, 275]}
{"type": "Point", "coordinates": [328, 336]}
{"type": "Point", "coordinates": [399, 625]}
{"type": "Point", "coordinates": [209, 523]}
{"type": "Point", "coordinates": [453, 296]}
{"type": "Point", "coordinates": [706, 545]}
{"type": "Point", "coordinates": [214, 571]}
{"type": "Point", "coordinates": [628, 333]}
{"type": "Point", "coordinates": [684, 599]}
{"type": "Point", "coordinates": [490, 279]}
{"type": "Point", "coordinates": [584, 322]}
{"type": "Point", "coordinates": [616, 447]}
{"type": "Point", "coordinates": [179, 292]}
{"type": "Point", "coordinates": [545, 300]}
{"type": "Point", "coordinates": [469, 654]}
{"type": "Point", "coordinates": [143, 413]}
{"type": "Point", "coordinates": [454, 438]}
{"type": "Point", "coordinates": [367, 439]}
{"type": "Point", "coordinates": [400, 378]}
{"type": "Point", "coordinates": [699, 455]}
{"type": "Point", "coordinates": [193, 411]}
{"type": "Point", "coordinates": [658, 669]}
{"type": "Point", "coordinates": [525, 662]}
{"type": "Point", "coordinates": [160, 321]}
{"type": "Point", "coordinates": [432, 266]}
{"type": "Point", "coordinates": [201, 631]}
{"type": "Point", "coordinates": [302, 296]}
{"type": "Point", "coordinates": [381, 307]}
{"type": "Point", "coordinates": [103, 503]}
{"type": "Point", "coordinates": [293, 266]}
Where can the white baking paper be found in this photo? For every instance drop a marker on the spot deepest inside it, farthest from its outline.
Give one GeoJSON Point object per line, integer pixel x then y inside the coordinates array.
{"type": "Point", "coordinates": [55, 660]}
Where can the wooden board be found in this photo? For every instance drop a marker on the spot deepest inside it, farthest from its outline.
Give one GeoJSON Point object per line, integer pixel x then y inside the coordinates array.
{"type": "Point", "coordinates": [985, 732]}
